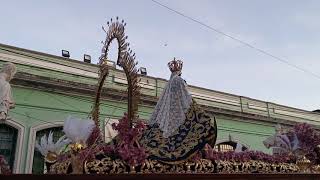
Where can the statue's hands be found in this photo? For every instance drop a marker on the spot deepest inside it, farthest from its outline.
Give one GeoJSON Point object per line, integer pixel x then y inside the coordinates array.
{"type": "Point", "coordinates": [3, 116]}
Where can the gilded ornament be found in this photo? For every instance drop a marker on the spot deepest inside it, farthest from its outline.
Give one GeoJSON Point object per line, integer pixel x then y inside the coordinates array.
{"type": "Point", "coordinates": [304, 164]}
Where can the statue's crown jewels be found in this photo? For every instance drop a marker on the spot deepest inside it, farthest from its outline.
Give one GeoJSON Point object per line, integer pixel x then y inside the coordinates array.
{"type": "Point", "coordinates": [175, 65]}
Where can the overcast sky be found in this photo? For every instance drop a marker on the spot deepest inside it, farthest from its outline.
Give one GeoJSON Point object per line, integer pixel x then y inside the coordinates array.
{"type": "Point", "coordinates": [287, 29]}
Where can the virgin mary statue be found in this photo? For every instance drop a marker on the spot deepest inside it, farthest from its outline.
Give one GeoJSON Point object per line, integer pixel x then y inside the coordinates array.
{"type": "Point", "coordinates": [178, 128]}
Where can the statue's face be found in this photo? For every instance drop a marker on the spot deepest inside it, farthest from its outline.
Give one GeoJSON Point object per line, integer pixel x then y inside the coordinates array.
{"type": "Point", "coordinates": [176, 73]}
{"type": "Point", "coordinates": [8, 77]}
{"type": "Point", "coordinates": [9, 70]}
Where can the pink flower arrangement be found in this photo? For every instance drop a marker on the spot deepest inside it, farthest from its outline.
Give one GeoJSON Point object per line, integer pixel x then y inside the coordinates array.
{"type": "Point", "coordinates": [128, 147]}
{"type": "Point", "coordinates": [244, 156]}
{"type": "Point", "coordinates": [4, 167]}
{"type": "Point", "coordinates": [94, 137]}
{"type": "Point", "coordinates": [126, 132]}
{"type": "Point", "coordinates": [307, 141]}
{"type": "Point", "coordinates": [308, 138]}
{"type": "Point", "coordinates": [107, 149]}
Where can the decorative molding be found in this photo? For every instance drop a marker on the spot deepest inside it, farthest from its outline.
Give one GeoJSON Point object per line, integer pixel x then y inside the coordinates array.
{"type": "Point", "coordinates": [19, 144]}
{"type": "Point", "coordinates": [141, 84]}
{"type": "Point", "coordinates": [32, 141]}
{"type": "Point", "coordinates": [255, 107]}
{"type": "Point", "coordinates": [147, 85]}
{"type": "Point", "coordinates": [215, 99]}
{"type": "Point", "coordinates": [46, 65]}
{"type": "Point", "coordinates": [307, 117]}
{"type": "Point", "coordinates": [120, 80]}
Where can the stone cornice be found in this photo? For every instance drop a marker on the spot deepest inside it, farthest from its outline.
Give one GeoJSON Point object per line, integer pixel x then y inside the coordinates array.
{"type": "Point", "coordinates": [58, 85]}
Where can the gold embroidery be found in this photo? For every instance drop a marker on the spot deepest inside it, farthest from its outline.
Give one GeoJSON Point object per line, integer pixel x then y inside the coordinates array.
{"type": "Point", "coordinates": [191, 137]}
{"type": "Point", "coordinates": [105, 166]}
{"type": "Point", "coordinates": [60, 167]}
{"type": "Point", "coordinates": [116, 166]}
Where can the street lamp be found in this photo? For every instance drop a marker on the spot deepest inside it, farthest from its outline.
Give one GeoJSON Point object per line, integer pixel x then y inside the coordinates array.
{"type": "Point", "coordinates": [87, 58]}
{"type": "Point", "coordinates": [65, 53]}
{"type": "Point", "coordinates": [143, 71]}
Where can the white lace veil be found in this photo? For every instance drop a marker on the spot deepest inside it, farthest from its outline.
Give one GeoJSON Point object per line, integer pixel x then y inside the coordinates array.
{"type": "Point", "coordinates": [174, 102]}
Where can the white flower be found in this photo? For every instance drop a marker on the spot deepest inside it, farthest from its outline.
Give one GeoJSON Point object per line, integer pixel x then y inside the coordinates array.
{"type": "Point", "coordinates": [47, 145]}
{"type": "Point", "coordinates": [78, 130]}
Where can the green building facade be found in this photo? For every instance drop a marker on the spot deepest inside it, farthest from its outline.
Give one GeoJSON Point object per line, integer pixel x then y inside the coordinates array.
{"type": "Point", "coordinates": [47, 89]}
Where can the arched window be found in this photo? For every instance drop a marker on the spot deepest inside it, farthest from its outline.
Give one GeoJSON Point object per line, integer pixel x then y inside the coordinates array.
{"type": "Point", "coordinates": [228, 146]}
{"type": "Point", "coordinates": [8, 141]}
{"type": "Point", "coordinates": [38, 166]}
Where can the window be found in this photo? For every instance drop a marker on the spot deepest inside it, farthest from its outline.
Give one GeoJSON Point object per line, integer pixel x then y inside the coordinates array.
{"type": "Point", "coordinates": [228, 146]}
{"type": "Point", "coordinates": [38, 166]}
{"type": "Point", "coordinates": [8, 141]}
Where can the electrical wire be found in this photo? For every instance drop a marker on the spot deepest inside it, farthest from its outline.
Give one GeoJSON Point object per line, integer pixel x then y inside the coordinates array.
{"type": "Point", "coordinates": [238, 40]}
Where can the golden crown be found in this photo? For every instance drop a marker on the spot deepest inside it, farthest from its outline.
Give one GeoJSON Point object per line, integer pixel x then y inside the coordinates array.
{"type": "Point", "coordinates": [175, 65]}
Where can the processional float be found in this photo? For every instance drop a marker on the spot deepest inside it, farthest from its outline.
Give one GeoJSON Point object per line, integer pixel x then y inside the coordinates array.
{"type": "Point", "coordinates": [148, 148]}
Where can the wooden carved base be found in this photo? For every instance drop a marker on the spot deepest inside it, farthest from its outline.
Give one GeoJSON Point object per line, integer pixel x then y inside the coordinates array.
{"type": "Point", "coordinates": [106, 165]}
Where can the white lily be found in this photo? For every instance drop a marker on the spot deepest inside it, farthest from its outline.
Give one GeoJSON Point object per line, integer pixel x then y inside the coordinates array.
{"type": "Point", "coordinates": [47, 145]}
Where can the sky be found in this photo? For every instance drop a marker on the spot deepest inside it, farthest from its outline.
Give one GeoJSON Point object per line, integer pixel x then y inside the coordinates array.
{"type": "Point", "coordinates": [288, 29]}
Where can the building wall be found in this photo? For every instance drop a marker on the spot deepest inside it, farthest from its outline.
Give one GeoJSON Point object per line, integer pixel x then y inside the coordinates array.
{"type": "Point", "coordinates": [44, 98]}
{"type": "Point", "coordinates": [37, 110]}
{"type": "Point", "coordinates": [250, 134]}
